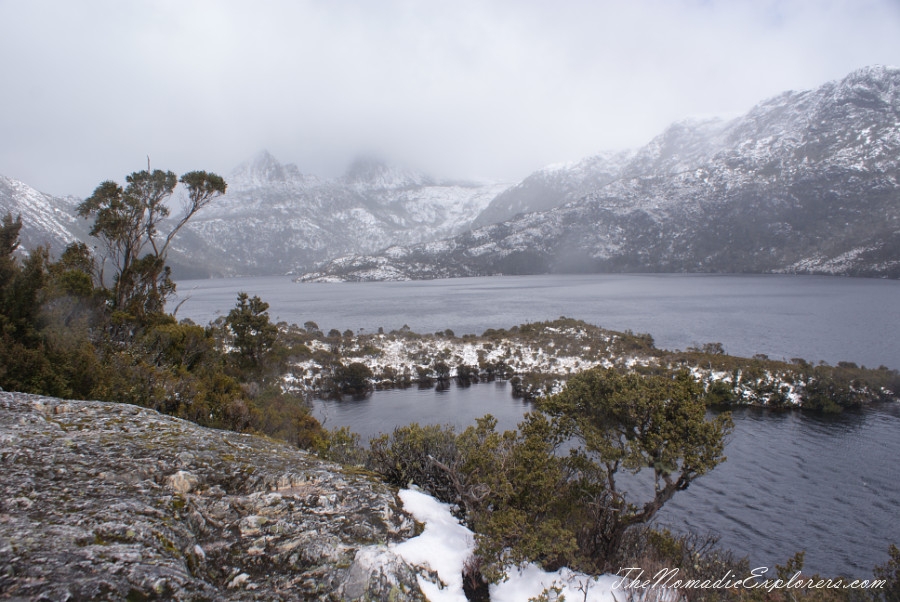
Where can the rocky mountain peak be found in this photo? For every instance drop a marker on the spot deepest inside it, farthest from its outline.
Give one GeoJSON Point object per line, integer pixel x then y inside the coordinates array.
{"type": "Point", "coordinates": [885, 78]}
{"type": "Point", "coordinates": [836, 105]}
{"type": "Point", "coordinates": [878, 84]}
{"type": "Point", "coordinates": [263, 170]}
{"type": "Point", "coordinates": [371, 172]}
{"type": "Point", "coordinates": [805, 182]}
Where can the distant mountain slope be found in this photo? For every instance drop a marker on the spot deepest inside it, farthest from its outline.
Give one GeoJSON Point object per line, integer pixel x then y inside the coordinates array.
{"type": "Point", "coordinates": [555, 185]}
{"type": "Point", "coordinates": [46, 220]}
{"type": "Point", "coordinates": [806, 182]}
{"type": "Point", "coordinates": [276, 220]}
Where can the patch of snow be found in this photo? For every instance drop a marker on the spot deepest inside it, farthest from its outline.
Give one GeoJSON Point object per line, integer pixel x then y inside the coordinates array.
{"type": "Point", "coordinates": [445, 545]}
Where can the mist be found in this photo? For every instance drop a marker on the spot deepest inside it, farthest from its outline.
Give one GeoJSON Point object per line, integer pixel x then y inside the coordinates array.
{"type": "Point", "coordinates": [490, 90]}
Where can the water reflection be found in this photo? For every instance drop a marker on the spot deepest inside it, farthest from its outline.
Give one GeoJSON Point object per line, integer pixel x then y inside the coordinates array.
{"type": "Point", "coordinates": [452, 404]}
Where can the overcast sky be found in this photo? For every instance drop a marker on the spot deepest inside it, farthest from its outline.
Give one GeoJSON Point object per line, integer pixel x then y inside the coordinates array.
{"type": "Point", "coordinates": [490, 89]}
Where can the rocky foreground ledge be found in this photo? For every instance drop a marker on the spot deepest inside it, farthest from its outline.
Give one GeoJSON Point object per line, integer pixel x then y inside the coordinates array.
{"type": "Point", "coordinates": [112, 501]}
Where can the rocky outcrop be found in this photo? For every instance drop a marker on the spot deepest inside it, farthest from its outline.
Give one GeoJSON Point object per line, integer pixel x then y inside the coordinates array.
{"type": "Point", "coordinates": [112, 501]}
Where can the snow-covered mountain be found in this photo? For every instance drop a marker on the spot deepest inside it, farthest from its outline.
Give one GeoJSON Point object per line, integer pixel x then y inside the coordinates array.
{"type": "Point", "coordinates": [46, 220]}
{"type": "Point", "coordinates": [276, 220]}
{"type": "Point", "coordinates": [806, 182]}
{"type": "Point", "coordinates": [555, 185]}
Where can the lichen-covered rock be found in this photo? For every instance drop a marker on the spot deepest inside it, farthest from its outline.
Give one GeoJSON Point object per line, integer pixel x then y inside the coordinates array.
{"type": "Point", "coordinates": [380, 574]}
{"type": "Point", "coordinates": [111, 501]}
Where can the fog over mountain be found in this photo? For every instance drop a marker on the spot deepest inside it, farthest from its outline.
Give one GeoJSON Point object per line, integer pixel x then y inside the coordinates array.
{"type": "Point", "coordinates": [472, 88]}
{"type": "Point", "coordinates": [276, 220]}
{"type": "Point", "coordinates": [805, 182]}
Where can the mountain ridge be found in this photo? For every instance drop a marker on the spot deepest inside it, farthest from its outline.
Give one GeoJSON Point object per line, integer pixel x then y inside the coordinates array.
{"type": "Point", "coordinates": [805, 182]}
{"type": "Point", "coordinates": [47, 220]}
{"type": "Point", "coordinates": [276, 220]}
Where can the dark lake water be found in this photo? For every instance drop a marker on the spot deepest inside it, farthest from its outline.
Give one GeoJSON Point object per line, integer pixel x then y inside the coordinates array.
{"type": "Point", "coordinates": [793, 481]}
{"type": "Point", "coordinates": [813, 317]}
{"type": "Point", "coordinates": [827, 485]}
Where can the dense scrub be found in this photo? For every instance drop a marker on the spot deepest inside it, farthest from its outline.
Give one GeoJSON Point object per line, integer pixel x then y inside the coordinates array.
{"type": "Point", "coordinates": [548, 492]}
{"type": "Point", "coordinates": [538, 358]}
{"type": "Point", "coordinates": [68, 329]}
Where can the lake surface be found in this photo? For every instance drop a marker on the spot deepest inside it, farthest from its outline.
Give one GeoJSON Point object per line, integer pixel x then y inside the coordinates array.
{"type": "Point", "coordinates": [793, 481]}
{"type": "Point", "coordinates": [829, 485]}
{"type": "Point", "coordinates": [812, 317]}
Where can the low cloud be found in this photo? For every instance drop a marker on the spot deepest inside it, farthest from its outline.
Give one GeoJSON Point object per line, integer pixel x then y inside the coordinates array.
{"type": "Point", "coordinates": [465, 89]}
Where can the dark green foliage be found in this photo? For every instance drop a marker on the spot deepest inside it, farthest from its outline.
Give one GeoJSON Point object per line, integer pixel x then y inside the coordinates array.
{"type": "Point", "coordinates": [73, 273]}
{"type": "Point", "coordinates": [626, 422]}
{"type": "Point", "coordinates": [640, 342]}
{"type": "Point", "coordinates": [284, 416]}
{"type": "Point", "coordinates": [353, 378]}
{"type": "Point", "coordinates": [342, 445]}
{"type": "Point", "coordinates": [423, 376]}
{"type": "Point", "coordinates": [817, 387]}
{"type": "Point", "coordinates": [254, 335]}
{"type": "Point", "coordinates": [9, 236]}
{"type": "Point", "coordinates": [308, 433]}
{"type": "Point", "coordinates": [516, 495]}
{"type": "Point", "coordinates": [45, 310]}
{"type": "Point", "coordinates": [494, 369]}
{"type": "Point", "coordinates": [61, 336]}
{"type": "Point", "coordinates": [26, 362]}
{"type": "Point", "coordinates": [466, 375]}
{"type": "Point", "coordinates": [831, 389]}
{"type": "Point", "coordinates": [425, 455]}
{"type": "Point", "coordinates": [709, 348]}
{"type": "Point", "coordinates": [441, 371]}
{"type": "Point", "coordinates": [127, 221]}
{"type": "Point", "coordinates": [531, 386]}
{"type": "Point", "coordinates": [19, 286]}
{"type": "Point", "coordinates": [719, 393]}
{"type": "Point", "coordinates": [890, 572]}
{"type": "Point", "coordinates": [528, 501]}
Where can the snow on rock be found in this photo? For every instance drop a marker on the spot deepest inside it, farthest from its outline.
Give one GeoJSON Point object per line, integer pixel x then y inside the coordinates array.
{"type": "Point", "coordinates": [445, 545]}
{"type": "Point", "coordinates": [46, 219]}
